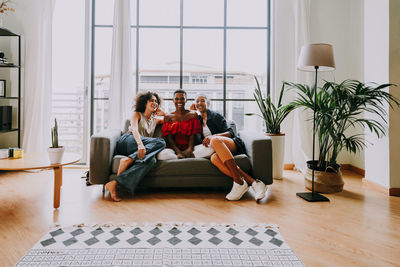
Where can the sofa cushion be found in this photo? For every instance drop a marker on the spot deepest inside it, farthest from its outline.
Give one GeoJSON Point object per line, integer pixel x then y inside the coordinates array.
{"type": "Point", "coordinates": [190, 166]}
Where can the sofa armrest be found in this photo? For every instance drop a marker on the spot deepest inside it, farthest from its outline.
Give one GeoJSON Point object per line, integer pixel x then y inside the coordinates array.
{"type": "Point", "coordinates": [102, 147]}
{"type": "Point", "coordinates": [259, 151]}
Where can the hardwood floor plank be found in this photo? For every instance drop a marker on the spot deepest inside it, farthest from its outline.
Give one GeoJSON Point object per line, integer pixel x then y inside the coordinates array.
{"type": "Point", "coordinates": [358, 227]}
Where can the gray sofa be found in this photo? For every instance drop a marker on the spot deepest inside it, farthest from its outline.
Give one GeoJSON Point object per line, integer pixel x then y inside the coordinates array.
{"type": "Point", "coordinates": [192, 172]}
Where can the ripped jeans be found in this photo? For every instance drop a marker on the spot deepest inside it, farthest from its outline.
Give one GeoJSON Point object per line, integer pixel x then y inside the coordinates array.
{"type": "Point", "coordinates": [127, 146]}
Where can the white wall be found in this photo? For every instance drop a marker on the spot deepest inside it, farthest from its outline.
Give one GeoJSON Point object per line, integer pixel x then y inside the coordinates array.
{"type": "Point", "coordinates": [19, 22]}
{"type": "Point", "coordinates": [376, 59]}
{"type": "Point", "coordinates": [24, 15]}
{"type": "Point", "coordinates": [28, 21]}
{"type": "Point", "coordinates": [382, 65]}
{"type": "Point", "coordinates": [339, 23]}
{"type": "Point", "coordinates": [394, 77]}
{"type": "Point", "coordinates": [13, 22]}
{"type": "Point", "coordinates": [284, 61]}
{"type": "Point", "coordinates": [359, 32]}
{"type": "Point", "coordinates": [356, 64]}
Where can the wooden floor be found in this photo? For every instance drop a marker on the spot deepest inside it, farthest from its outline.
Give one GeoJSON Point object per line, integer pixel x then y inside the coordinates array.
{"type": "Point", "coordinates": [358, 227]}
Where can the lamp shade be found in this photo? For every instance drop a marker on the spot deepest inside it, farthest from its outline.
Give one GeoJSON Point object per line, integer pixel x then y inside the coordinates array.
{"type": "Point", "coordinates": [312, 55]}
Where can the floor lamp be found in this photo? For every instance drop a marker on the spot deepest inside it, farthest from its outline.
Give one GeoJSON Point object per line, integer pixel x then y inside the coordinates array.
{"type": "Point", "coordinates": [315, 57]}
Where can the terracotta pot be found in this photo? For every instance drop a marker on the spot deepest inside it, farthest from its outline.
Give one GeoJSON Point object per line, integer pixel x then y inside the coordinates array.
{"type": "Point", "coordinates": [278, 153]}
{"type": "Point", "coordinates": [324, 182]}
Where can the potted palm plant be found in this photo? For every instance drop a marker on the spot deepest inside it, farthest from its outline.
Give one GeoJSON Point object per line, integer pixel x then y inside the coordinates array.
{"type": "Point", "coordinates": [339, 107]}
{"type": "Point", "coordinates": [55, 151]}
{"type": "Point", "coordinates": [273, 116]}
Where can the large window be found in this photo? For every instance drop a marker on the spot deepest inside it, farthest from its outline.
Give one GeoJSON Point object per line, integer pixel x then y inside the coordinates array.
{"type": "Point", "coordinates": [210, 46]}
{"type": "Point", "coordinates": [69, 98]}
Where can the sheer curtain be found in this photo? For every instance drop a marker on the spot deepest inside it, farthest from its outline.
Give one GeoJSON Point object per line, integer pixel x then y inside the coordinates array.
{"type": "Point", "coordinates": [291, 31]}
{"type": "Point", "coordinates": [121, 82]}
{"type": "Point", "coordinates": [302, 128]}
{"type": "Point", "coordinates": [37, 69]}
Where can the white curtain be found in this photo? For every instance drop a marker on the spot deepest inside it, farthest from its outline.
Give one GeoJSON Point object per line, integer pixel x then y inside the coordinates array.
{"type": "Point", "coordinates": [301, 128]}
{"type": "Point", "coordinates": [291, 32]}
{"type": "Point", "coordinates": [121, 83]}
{"type": "Point", "coordinates": [37, 69]}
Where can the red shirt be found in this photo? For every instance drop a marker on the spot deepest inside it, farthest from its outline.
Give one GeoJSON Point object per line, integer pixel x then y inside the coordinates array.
{"type": "Point", "coordinates": [181, 130]}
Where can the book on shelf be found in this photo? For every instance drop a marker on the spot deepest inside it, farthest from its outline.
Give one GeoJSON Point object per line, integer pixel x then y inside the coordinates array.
{"type": "Point", "coordinates": [6, 64]}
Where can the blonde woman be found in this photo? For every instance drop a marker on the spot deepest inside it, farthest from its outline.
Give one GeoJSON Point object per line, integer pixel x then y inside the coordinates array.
{"type": "Point", "coordinates": [218, 135]}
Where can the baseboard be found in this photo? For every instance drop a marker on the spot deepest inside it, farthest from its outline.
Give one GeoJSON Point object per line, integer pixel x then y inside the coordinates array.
{"type": "Point", "coordinates": [345, 166]}
{"type": "Point", "coordinates": [394, 192]}
{"type": "Point", "coordinates": [353, 169]}
{"type": "Point", "coordinates": [288, 166]}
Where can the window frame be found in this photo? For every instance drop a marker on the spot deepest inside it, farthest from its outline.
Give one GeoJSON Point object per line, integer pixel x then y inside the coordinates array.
{"type": "Point", "coordinates": [181, 28]}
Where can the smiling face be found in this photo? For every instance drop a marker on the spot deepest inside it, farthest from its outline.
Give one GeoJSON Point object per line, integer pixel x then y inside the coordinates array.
{"type": "Point", "coordinates": [201, 104]}
{"type": "Point", "coordinates": [152, 104]}
{"type": "Point", "coordinates": [180, 101]}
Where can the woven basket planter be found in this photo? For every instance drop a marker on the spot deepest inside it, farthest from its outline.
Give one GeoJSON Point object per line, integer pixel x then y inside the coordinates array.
{"type": "Point", "coordinates": [324, 182]}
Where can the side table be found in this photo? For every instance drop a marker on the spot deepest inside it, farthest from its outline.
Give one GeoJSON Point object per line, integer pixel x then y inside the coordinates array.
{"type": "Point", "coordinates": [40, 160]}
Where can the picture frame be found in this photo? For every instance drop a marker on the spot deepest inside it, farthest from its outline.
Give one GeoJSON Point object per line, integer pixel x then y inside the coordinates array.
{"type": "Point", "coordinates": [2, 88]}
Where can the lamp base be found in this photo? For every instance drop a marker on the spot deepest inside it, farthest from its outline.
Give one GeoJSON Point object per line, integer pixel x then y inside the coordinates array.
{"type": "Point", "coordinates": [312, 197]}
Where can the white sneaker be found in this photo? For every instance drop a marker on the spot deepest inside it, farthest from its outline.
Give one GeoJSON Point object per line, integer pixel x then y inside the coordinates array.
{"type": "Point", "coordinates": [237, 191]}
{"type": "Point", "coordinates": [259, 189]}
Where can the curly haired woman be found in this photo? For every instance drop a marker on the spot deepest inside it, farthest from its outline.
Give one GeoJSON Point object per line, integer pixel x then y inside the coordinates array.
{"type": "Point", "coordinates": [138, 145]}
{"type": "Point", "coordinates": [218, 135]}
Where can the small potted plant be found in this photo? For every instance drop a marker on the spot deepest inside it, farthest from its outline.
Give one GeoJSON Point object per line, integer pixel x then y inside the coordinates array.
{"type": "Point", "coordinates": [273, 116]}
{"type": "Point", "coordinates": [339, 107]}
{"type": "Point", "coordinates": [55, 151]}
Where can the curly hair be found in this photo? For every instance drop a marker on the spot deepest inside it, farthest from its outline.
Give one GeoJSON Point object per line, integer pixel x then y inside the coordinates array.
{"type": "Point", "coordinates": [142, 98]}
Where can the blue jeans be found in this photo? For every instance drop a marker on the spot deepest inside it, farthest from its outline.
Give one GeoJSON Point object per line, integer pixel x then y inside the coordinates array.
{"type": "Point", "coordinates": [127, 146]}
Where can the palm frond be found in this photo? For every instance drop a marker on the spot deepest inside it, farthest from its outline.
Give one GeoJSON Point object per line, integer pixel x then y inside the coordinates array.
{"type": "Point", "coordinates": [338, 107]}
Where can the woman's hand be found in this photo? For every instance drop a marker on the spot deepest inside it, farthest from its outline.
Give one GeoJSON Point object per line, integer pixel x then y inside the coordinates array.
{"type": "Point", "coordinates": [159, 112]}
{"type": "Point", "coordinates": [189, 153]}
{"type": "Point", "coordinates": [141, 152]}
{"type": "Point", "coordinates": [193, 107]}
{"type": "Point", "coordinates": [178, 152]}
{"type": "Point", "coordinates": [206, 141]}
{"type": "Point", "coordinates": [159, 119]}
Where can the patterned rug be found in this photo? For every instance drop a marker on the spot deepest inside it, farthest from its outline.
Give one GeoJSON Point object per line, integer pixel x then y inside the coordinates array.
{"type": "Point", "coordinates": [162, 245]}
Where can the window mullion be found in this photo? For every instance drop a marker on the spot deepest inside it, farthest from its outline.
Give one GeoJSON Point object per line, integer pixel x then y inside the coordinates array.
{"type": "Point", "coordinates": [92, 83]}
{"type": "Point", "coordinates": [224, 58]}
{"type": "Point", "coordinates": [181, 46]}
{"type": "Point", "coordinates": [269, 48]}
{"type": "Point", "coordinates": [137, 46]}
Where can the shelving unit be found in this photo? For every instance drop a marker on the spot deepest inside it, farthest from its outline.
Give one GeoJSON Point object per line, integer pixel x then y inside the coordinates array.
{"type": "Point", "coordinates": [15, 100]}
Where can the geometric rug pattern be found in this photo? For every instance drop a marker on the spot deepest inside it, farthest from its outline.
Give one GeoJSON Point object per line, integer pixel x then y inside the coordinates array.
{"type": "Point", "coordinates": [162, 245]}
